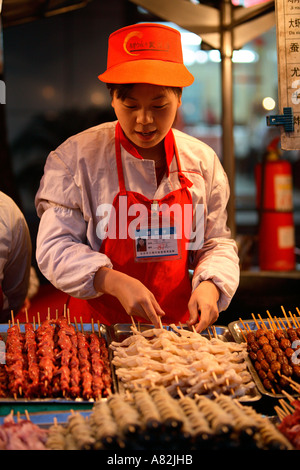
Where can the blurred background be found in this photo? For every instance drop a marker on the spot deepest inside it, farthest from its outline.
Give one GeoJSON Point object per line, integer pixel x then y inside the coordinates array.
{"type": "Point", "coordinates": [50, 68]}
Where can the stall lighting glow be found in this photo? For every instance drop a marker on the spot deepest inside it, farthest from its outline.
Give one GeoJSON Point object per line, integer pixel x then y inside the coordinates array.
{"type": "Point", "coordinates": [268, 103]}
{"type": "Point", "coordinates": [242, 56]}
{"type": "Point", "coordinates": [190, 39]}
{"type": "Point", "coordinates": [214, 56]}
{"type": "Point", "coordinates": [189, 56]}
{"type": "Point", "coordinates": [48, 92]}
{"type": "Point", "coordinates": [201, 57]}
{"type": "Point", "coordinates": [98, 98]}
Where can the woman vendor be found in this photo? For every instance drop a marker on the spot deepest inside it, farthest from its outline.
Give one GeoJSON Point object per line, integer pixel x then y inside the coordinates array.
{"type": "Point", "coordinates": [137, 178]}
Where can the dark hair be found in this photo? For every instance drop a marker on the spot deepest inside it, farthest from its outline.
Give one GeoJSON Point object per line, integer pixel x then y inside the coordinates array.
{"type": "Point", "coordinates": [122, 90]}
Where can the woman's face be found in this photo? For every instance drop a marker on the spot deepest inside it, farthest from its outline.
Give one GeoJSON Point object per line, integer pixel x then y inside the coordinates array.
{"type": "Point", "coordinates": [146, 114]}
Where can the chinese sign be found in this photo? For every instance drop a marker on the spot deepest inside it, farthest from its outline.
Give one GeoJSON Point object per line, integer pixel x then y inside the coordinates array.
{"type": "Point", "coordinates": [288, 51]}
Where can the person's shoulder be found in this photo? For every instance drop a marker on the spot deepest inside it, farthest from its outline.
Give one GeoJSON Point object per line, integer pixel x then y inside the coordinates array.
{"type": "Point", "coordinates": [7, 203]}
{"type": "Point", "coordinates": [191, 142]}
{"type": "Point", "coordinates": [103, 133]}
{"type": "Point", "coordinates": [195, 155]}
{"type": "Point", "coordinates": [10, 212]}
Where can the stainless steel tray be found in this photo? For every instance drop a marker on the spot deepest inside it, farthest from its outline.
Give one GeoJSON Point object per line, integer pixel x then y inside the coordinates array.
{"type": "Point", "coordinates": [237, 330]}
{"type": "Point", "coordinates": [86, 328]}
{"type": "Point", "coordinates": [121, 331]}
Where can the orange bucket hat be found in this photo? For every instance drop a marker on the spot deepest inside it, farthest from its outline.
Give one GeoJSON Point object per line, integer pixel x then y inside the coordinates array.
{"type": "Point", "coordinates": [146, 53]}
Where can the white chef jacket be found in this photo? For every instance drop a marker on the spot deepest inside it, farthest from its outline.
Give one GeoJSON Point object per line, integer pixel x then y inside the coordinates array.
{"type": "Point", "coordinates": [15, 256]}
{"type": "Point", "coordinates": [82, 173]}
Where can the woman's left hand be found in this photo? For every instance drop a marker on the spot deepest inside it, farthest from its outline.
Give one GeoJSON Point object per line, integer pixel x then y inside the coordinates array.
{"type": "Point", "coordinates": [204, 302]}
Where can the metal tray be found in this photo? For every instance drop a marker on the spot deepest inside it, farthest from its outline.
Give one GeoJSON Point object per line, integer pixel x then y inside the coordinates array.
{"type": "Point", "coordinates": [238, 331]}
{"type": "Point", "coordinates": [86, 328]}
{"type": "Point", "coordinates": [121, 331]}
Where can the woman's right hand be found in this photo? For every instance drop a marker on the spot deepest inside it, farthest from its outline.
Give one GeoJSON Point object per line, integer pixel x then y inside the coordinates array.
{"type": "Point", "coordinates": [136, 299]}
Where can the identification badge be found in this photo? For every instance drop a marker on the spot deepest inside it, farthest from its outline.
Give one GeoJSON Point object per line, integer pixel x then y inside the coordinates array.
{"type": "Point", "coordinates": [157, 242]}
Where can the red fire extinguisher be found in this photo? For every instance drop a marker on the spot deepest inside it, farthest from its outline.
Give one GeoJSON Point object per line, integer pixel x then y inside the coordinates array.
{"type": "Point", "coordinates": [274, 200]}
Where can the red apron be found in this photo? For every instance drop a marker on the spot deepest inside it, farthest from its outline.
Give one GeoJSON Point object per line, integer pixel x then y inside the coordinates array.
{"type": "Point", "coordinates": [168, 280]}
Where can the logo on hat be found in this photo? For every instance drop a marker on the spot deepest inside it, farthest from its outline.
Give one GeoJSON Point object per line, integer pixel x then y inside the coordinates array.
{"type": "Point", "coordinates": [138, 45]}
{"type": "Point", "coordinates": [133, 34]}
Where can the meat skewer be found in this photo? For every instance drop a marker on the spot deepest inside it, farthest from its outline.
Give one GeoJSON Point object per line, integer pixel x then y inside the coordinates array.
{"type": "Point", "coordinates": [54, 360]}
{"type": "Point", "coordinates": [45, 354]}
{"type": "Point", "coordinates": [30, 347]}
{"type": "Point", "coordinates": [85, 366]}
{"type": "Point", "coordinates": [15, 361]}
{"type": "Point", "coordinates": [126, 416]}
{"type": "Point", "coordinates": [104, 426]}
{"type": "Point", "coordinates": [272, 353]}
{"type": "Point", "coordinates": [80, 431]}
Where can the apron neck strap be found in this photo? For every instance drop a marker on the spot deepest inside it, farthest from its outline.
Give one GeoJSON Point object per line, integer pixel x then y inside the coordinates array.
{"type": "Point", "coordinates": [119, 160]}
{"type": "Point", "coordinates": [184, 181]}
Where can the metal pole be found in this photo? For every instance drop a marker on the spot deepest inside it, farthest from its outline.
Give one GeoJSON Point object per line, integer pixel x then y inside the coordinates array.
{"type": "Point", "coordinates": [226, 51]}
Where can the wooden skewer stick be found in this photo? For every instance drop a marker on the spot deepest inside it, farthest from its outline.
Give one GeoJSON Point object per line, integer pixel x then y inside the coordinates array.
{"type": "Point", "coordinates": [293, 319]}
{"type": "Point", "coordinates": [277, 323]}
{"type": "Point", "coordinates": [284, 326]}
{"type": "Point", "coordinates": [298, 311]}
{"type": "Point", "coordinates": [244, 326]}
{"type": "Point", "coordinates": [12, 317]}
{"type": "Point", "coordinates": [214, 331]}
{"type": "Point", "coordinates": [26, 315]}
{"type": "Point", "coordinates": [288, 408]}
{"type": "Point", "coordinates": [133, 322]}
{"type": "Point", "coordinates": [281, 414]}
{"type": "Point", "coordinates": [255, 321]}
{"type": "Point", "coordinates": [288, 396]}
{"type": "Point", "coordinates": [195, 331]}
{"type": "Point", "coordinates": [271, 322]}
{"type": "Point", "coordinates": [208, 332]}
{"type": "Point", "coordinates": [262, 323]}
{"type": "Point", "coordinates": [286, 317]}
{"type": "Point", "coordinates": [296, 321]}
{"type": "Point", "coordinates": [295, 385]}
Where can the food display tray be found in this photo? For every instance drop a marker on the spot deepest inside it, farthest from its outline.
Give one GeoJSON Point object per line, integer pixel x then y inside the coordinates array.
{"type": "Point", "coordinates": [238, 333]}
{"type": "Point", "coordinates": [85, 328]}
{"type": "Point", "coordinates": [121, 331]}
